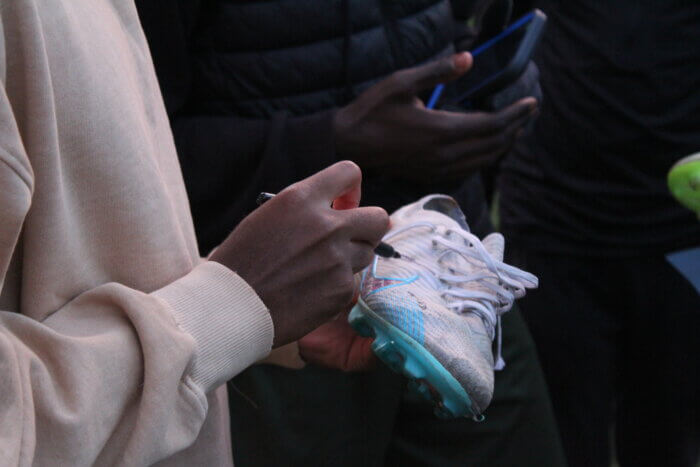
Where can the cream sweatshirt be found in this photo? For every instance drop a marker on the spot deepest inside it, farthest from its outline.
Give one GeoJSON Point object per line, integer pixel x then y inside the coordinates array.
{"type": "Point", "coordinates": [114, 335]}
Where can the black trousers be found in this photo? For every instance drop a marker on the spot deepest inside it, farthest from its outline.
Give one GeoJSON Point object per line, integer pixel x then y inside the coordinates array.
{"type": "Point", "coordinates": [318, 417]}
{"type": "Point", "coordinates": [619, 342]}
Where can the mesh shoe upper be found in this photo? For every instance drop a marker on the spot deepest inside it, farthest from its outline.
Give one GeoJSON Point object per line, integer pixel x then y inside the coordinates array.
{"type": "Point", "coordinates": [446, 317]}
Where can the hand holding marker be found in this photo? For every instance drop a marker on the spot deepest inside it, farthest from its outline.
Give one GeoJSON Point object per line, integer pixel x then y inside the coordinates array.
{"type": "Point", "coordinates": [384, 250]}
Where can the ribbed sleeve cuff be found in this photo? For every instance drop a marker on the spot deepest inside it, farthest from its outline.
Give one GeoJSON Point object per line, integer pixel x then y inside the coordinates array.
{"type": "Point", "coordinates": [230, 324]}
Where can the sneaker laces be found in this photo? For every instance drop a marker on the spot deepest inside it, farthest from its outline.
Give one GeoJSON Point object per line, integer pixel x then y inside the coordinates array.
{"type": "Point", "coordinates": [505, 282]}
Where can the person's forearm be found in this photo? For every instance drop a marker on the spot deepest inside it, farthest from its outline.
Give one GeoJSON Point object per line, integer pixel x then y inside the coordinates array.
{"type": "Point", "coordinates": [115, 365]}
{"type": "Point", "coordinates": [98, 379]}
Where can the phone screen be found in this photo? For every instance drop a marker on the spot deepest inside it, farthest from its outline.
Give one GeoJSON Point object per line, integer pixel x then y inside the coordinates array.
{"type": "Point", "coordinates": [491, 59]}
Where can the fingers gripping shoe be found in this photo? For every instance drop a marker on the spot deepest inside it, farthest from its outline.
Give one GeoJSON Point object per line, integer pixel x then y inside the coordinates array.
{"type": "Point", "coordinates": [435, 312]}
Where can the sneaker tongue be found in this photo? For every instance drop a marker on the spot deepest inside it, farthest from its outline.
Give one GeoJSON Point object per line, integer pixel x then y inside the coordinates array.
{"type": "Point", "coordinates": [448, 206]}
{"type": "Point", "coordinates": [439, 209]}
{"type": "Point", "coordinates": [494, 244]}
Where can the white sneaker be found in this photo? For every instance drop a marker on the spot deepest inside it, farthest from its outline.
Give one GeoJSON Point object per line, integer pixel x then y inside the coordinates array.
{"type": "Point", "coordinates": [435, 312]}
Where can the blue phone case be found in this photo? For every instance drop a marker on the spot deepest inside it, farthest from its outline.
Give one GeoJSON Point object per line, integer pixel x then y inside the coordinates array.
{"type": "Point", "coordinates": [511, 72]}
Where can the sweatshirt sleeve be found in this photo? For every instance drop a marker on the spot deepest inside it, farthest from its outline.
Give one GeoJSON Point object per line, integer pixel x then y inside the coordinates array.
{"type": "Point", "coordinates": [116, 375]}
{"type": "Point", "coordinates": [247, 155]}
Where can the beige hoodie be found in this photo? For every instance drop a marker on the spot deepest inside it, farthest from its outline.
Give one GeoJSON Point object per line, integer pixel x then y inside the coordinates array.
{"type": "Point", "coordinates": [114, 335]}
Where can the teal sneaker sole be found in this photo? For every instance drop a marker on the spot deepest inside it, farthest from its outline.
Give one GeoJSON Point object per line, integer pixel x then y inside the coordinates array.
{"type": "Point", "coordinates": [404, 355]}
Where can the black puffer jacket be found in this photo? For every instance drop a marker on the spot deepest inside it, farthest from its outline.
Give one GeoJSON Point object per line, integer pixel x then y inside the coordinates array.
{"type": "Point", "coordinates": [251, 88]}
{"type": "Point", "coordinates": [304, 56]}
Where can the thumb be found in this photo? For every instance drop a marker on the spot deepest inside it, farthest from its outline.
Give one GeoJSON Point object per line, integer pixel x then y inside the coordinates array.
{"type": "Point", "coordinates": [413, 80]}
{"type": "Point", "coordinates": [340, 185]}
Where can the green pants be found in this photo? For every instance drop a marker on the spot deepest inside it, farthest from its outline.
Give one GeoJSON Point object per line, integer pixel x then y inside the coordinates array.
{"type": "Point", "coordinates": [320, 417]}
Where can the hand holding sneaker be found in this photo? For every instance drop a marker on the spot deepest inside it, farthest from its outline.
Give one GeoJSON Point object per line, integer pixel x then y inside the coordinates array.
{"type": "Point", "coordinates": [436, 311]}
{"type": "Point", "coordinates": [299, 254]}
{"type": "Point", "coordinates": [336, 345]}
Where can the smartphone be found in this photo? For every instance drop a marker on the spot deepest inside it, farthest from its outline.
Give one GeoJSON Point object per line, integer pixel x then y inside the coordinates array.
{"type": "Point", "coordinates": [497, 63]}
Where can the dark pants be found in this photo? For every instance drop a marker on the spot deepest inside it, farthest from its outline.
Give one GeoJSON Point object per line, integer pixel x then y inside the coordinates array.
{"type": "Point", "coordinates": [619, 344]}
{"type": "Point", "coordinates": [317, 417]}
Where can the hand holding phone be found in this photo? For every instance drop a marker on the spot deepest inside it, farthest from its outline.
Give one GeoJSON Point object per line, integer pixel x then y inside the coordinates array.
{"type": "Point", "coordinates": [497, 63]}
{"type": "Point", "coordinates": [389, 131]}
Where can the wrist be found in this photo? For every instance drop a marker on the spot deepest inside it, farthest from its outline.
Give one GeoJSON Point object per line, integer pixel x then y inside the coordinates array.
{"type": "Point", "coordinates": [229, 323]}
